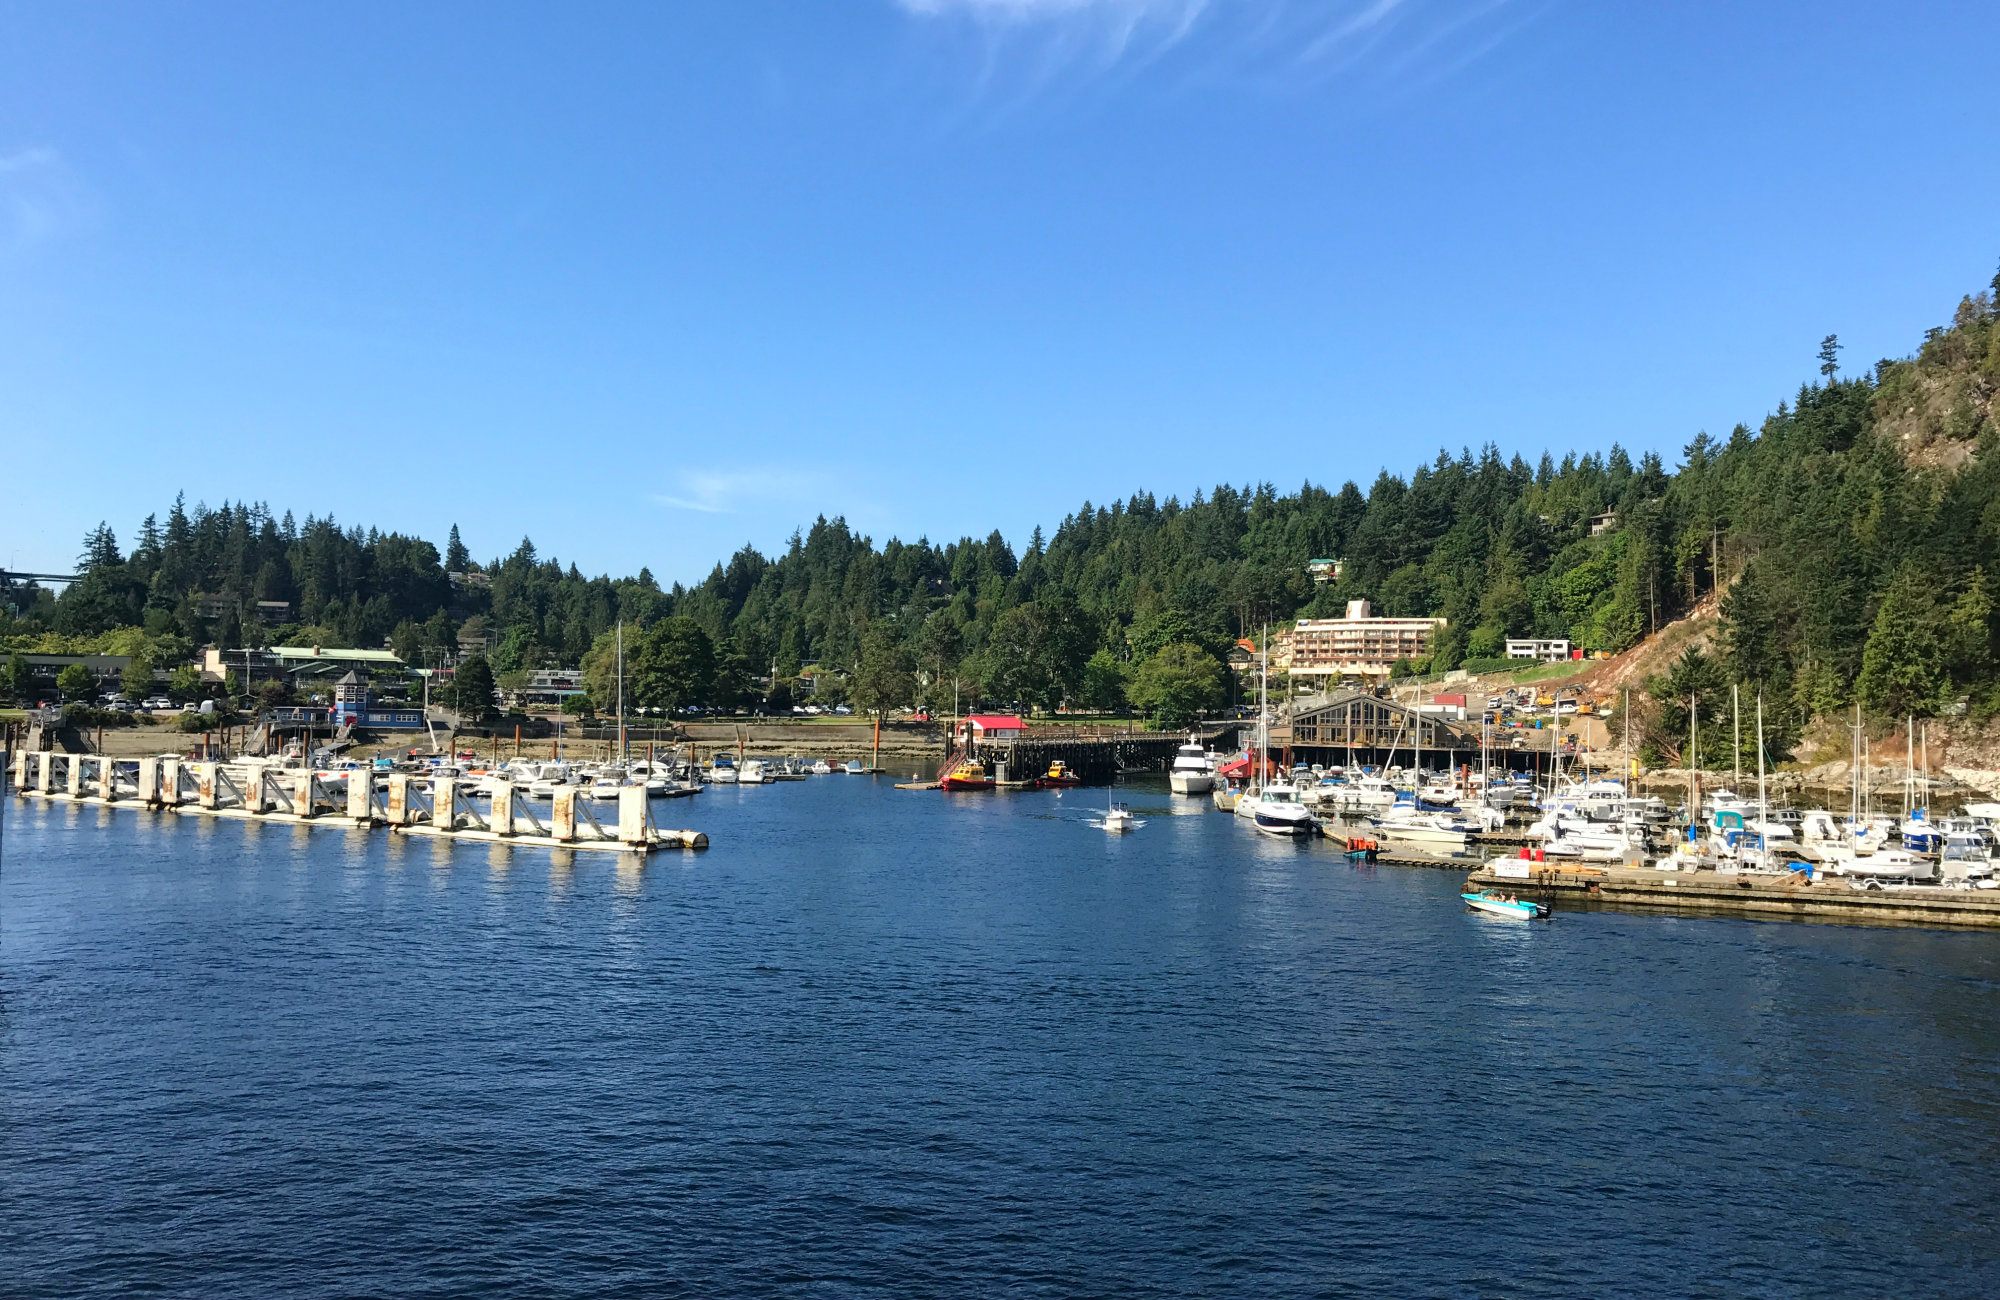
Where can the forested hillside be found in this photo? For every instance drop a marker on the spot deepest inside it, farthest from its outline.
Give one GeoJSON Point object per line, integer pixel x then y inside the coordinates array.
{"type": "Point", "coordinates": [1853, 534]}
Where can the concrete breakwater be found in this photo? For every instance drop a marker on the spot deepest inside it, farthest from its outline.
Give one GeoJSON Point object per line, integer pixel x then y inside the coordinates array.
{"type": "Point", "coordinates": [442, 807]}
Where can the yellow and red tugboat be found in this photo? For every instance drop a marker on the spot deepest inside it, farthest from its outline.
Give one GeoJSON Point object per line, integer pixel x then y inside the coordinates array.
{"type": "Point", "coordinates": [1058, 777]}
{"type": "Point", "coordinates": [968, 775]}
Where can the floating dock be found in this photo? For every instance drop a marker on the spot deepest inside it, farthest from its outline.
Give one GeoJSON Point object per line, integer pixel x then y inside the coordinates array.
{"type": "Point", "coordinates": [1721, 894]}
{"type": "Point", "coordinates": [437, 807]}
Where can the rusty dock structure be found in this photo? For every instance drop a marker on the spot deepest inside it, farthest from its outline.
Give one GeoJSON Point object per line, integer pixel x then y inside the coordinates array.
{"type": "Point", "coordinates": [1096, 754]}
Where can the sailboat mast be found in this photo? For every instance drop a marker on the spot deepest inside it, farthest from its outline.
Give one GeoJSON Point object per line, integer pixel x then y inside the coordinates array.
{"type": "Point", "coordinates": [1625, 733]}
{"type": "Point", "coordinates": [1909, 765]}
{"type": "Point", "coordinates": [1694, 757]}
{"type": "Point", "coordinates": [622, 753]}
{"type": "Point", "coordinates": [1854, 773]}
{"type": "Point", "coordinates": [1763, 808]}
{"type": "Point", "coordinates": [1263, 708]}
{"type": "Point", "coordinates": [1736, 733]}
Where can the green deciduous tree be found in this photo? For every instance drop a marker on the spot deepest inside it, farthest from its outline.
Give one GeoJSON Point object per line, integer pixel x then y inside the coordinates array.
{"type": "Point", "coordinates": [184, 683]}
{"type": "Point", "coordinates": [20, 679]}
{"type": "Point", "coordinates": [1179, 684]}
{"type": "Point", "coordinates": [76, 683]}
{"type": "Point", "coordinates": [137, 679]}
{"type": "Point", "coordinates": [1104, 683]}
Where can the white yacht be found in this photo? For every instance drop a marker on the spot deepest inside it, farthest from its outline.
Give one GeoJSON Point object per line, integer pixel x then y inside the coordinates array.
{"type": "Point", "coordinates": [1277, 810]}
{"type": "Point", "coordinates": [1193, 771]}
{"type": "Point", "coordinates": [753, 772]}
{"type": "Point", "coordinates": [1428, 830]}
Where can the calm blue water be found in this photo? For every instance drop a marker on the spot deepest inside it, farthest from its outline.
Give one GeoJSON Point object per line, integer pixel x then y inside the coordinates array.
{"type": "Point", "coordinates": [883, 1042]}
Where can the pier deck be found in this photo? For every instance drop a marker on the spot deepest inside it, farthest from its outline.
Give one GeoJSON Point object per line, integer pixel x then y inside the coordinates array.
{"type": "Point", "coordinates": [1714, 893]}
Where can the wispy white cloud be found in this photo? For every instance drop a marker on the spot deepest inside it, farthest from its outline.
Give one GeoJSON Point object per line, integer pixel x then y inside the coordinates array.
{"type": "Point", "coordinates": [1344, 29]}
{"type": "Point", "coordinates": [38, 197]}
{"type": "Point", "coordinates": [1097, 31]}
{"type": "Point", "coordinates": [1285, 41]}
{"type": "Point", "coordinates": [717, 492]}
{"type": "Point", "coordinates": [26, 160]}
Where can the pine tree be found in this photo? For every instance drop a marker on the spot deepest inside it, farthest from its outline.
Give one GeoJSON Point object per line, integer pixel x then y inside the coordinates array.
{"type": "Point", "coordinates": [1904, 668]}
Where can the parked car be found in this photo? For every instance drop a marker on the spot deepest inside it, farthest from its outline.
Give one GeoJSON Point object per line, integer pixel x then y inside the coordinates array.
{"type": "Point", "coordinates": [157, 702]}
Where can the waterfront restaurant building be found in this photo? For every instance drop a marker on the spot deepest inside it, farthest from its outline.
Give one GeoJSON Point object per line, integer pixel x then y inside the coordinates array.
{"type": "Point", "coordinates": [1359, 645]}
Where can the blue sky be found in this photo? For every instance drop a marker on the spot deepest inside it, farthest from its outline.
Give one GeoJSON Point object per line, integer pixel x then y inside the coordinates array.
{"type": "Point", "coordinates": [647, 282]}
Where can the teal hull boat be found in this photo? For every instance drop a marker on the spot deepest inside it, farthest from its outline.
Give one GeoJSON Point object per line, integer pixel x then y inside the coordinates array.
{"type": "Point", "coordinates": [1513, 909]}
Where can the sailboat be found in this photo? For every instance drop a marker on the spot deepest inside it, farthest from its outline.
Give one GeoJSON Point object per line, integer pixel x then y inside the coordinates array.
{"type": "Point", "coordinates": [1274, 808]}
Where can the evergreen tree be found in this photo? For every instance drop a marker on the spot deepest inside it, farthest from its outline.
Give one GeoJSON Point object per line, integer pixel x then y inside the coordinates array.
{"type": "Point", "coordinates": [472, 688]}
{"type": "Point", "coordinates": [1904, 669]}
{"type": "Point", "coordinates": [456, 558]}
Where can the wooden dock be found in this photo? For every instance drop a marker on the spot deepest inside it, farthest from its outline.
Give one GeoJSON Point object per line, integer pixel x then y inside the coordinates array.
{"type": "Point", "coordinates": [436, 807]}
{"type": "Point", "coordinates": [1719, 894]}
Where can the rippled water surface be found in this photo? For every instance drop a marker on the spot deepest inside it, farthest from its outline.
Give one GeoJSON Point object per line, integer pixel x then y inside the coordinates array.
{"type": "Point", "coordinates": [885, 1042]}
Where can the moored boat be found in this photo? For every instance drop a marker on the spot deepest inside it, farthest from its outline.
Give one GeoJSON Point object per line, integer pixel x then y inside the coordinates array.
{"type": "Point", "coordinates": [968, 775]}
{"type": "Point", "coordinates": [1278, 811]}
{"type": "Point", "coordinates": [1193, 771]}
{"type": "Point", "coordinates": [1059, 776]}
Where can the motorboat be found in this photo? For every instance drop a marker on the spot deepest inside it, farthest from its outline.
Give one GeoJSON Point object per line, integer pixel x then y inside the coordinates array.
{"type": "Point", "coordinates": [970, 774]}
{"type": "Point", "coordinates": [1193, 771]}
{"type": "Point", "coordinates": [1407, 824]}
{"type": "Point", "coordinates": [1278, 810]}
{"type": "Point", "coordinates": [1969, 854]}
{"type": "Point", "coordinates": [1060, 776]}
{"type": "Point", "coordinates": [722, 770]}
{"type": "Point", "coordinates": [1505, 906]}
{"type": "Point", "coordinates": [855, 767]}
{"type": "Point", "coordinates": [753, 772]}
{"type": "Point", "coordinates": [821, 767]}
{"type": "Point", "coordinates": [1118, 819]}
{"type": "Point", "coordinates": [1366, 796]}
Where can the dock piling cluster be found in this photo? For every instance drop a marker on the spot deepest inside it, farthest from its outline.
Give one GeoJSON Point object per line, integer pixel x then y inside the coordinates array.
{"type": "Point", "coordinates": [407, 804]}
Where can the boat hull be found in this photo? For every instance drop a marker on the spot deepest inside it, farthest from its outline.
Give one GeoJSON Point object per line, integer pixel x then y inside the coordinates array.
{"type": "Point", "coordinates": [1278, 824]}
{"type": "Point", "coordinates": [1504, 909]}
{"type": "Point", "coordinates": [1425, 836]}
{"type": "Point", "coordinates": [1190, 782]}
{"type": "Point", "coordinates": [960, 784]}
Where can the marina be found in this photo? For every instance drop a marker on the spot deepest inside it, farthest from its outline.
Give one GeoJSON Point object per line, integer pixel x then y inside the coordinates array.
{"type": "Point", "coordinates": [1239, 1039]}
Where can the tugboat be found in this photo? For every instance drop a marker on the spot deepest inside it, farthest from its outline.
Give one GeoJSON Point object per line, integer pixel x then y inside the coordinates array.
{"type": "Point", "coordinates": [968, 775]}
{"type": "Point", "coordinates": [1058, 777]}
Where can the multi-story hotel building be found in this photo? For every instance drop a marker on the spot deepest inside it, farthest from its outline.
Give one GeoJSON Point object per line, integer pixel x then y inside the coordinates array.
{"type": "Point", "coordinates": [1359, 645]}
